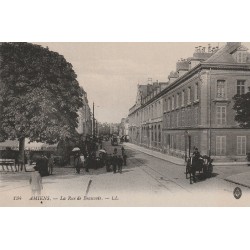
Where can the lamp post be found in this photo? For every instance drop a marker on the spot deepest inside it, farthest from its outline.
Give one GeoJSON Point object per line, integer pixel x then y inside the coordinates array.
{"type": "Point", "coordinates": [187, 143]}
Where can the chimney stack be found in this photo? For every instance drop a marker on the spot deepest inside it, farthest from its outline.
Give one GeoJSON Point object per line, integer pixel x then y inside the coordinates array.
{"type": "Point", "coordinates": [209, 48]}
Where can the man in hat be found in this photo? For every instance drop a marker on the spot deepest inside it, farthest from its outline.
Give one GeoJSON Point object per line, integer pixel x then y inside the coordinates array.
{"type": "Point", "coordinates": [77, 162]}
{"type": "Point", "coordinates": [196, 157]}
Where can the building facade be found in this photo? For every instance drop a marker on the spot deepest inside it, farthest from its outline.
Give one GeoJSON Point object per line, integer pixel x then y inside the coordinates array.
{"type": "Point", "coordinates": [197, 106]}
{"type": "Point", "coordinates": [145, 117]}
{"type": "Point", "coordinates": [84, 118]}
{"type": "Point", "coordinates": [123, 127]}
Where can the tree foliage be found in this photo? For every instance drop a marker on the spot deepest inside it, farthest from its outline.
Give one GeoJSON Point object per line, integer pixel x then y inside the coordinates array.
{"type": "Point", "coordinates": [40, 94]}
{"type": "Point", "coordinates": [242, 108]}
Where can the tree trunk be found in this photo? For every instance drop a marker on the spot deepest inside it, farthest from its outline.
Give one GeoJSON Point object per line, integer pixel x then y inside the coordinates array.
{"type": "Point", "coordinates": [21, 152]}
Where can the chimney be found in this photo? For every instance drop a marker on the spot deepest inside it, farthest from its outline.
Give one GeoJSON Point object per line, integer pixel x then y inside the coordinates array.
{"type": "Point", "coordinates": [149, 80]}
{"type": "Point", "coordinates": [209, 48]}
{"type": "Point", "coordinates": [234, 44]}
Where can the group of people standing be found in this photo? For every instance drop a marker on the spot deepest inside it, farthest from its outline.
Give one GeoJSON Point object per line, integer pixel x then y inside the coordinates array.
{"type": "Point", "coordinates": [115, 161]}
{"type": "Point", "coordinates": [112, 162]}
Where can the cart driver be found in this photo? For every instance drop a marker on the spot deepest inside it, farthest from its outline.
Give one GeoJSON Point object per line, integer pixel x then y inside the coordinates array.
{"type": "Point", "coordinates": [196, 157]}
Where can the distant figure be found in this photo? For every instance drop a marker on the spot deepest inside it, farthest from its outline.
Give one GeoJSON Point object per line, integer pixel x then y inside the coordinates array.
{"type": "Point", "coordinates": [108, 162]}
{"type": "Point", "coordinates": [86, 163]}
{"type": "Point", "coordinates": [124, 156]}
{"type": "Point", "coordinates": [36, 182]}
{"type": "Point", "coordinates": [114, 160]}
{"type": "Point", "coordinates": [124, 159]}
{"type": "Point", "coordinates": [82, 158]}
{"type": "Point", "coordinates": [123, 150]}
{"type": "Point", "coordinates": [119, 163]}
{"type": "Point", "coordinates": [77, 162]}
{"type": "Point", "coordinates": [42, 164]}
{"type": "Point", "coordinates": [51, 164]}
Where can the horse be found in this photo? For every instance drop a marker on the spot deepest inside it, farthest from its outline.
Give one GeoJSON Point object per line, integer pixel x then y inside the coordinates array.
{"type": "Point", "coordinates": [203, 164]}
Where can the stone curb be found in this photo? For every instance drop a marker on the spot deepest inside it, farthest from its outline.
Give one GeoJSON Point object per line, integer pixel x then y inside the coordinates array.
{"type": "Point", "coordinates": [159, 157]}
{"type": "Point", "coordinates": [237, 183]}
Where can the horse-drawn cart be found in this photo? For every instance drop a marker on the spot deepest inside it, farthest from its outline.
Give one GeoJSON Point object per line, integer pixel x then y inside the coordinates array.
{"type": "Point", "coordinates": [203, 165]}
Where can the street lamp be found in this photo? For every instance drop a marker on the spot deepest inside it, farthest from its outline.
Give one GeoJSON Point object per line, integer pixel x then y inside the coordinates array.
{"type": "Point", "coordinates": [187, 141]}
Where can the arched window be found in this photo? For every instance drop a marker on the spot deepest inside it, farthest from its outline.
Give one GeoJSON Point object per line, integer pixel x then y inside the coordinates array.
{"type": "Point", "coordinates": [155, 133]}
{"type": "Point", "coordinates": [159, 133]}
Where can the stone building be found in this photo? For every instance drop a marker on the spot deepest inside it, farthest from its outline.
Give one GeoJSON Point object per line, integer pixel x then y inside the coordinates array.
{"type": "Point", "coordinates": [123, 127]}
{"type": "Point", "coordinates": [195, 107]}
{"type": "Point", "coordinates": [145, 117]}
{"type": "Point", "coordinates": [84, 118]}
{"type": "Point", "coordinates": [198, 105]}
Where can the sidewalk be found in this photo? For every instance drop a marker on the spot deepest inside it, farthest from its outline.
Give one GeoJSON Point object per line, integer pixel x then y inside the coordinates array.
{"type": "Point", "coordinates": [156, 154]}
{"type": "Point", "coordinates": [242, 179]}
{"type": "Point", "coordinates": [176, 160]}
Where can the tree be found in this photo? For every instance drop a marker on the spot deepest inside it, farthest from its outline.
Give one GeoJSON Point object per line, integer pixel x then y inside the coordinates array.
{"type": "Point", "coordinates": [242, 108]}
{"type": "Point", "coordinates": [40, 94]}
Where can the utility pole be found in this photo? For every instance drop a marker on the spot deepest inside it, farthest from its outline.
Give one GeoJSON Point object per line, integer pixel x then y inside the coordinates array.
{"type": "Point", "coordinates": [93, 119]}
{"type": "Point", "coordinates": [96, 127]}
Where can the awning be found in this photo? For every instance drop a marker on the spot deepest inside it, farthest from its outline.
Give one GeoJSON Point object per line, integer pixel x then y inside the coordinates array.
{"type": "Point", "coordinates": [32, 146]}
{"type": "Point", "coordinates": [9, 144]}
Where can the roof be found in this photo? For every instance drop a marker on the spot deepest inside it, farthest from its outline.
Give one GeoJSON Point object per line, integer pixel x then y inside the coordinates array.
{"type": "Point", "coordinates": [221, 56]}
{"type": "Point", "coordinates": [182, 65]}
{"type": "Point", "coordinates": [201, 56]}
{"type": "Point", "coordinates": [143, 90]}
{"type": "Point", "coordinates": [173, 74]}
{"type": "Point", "coordinates": [224, 55]}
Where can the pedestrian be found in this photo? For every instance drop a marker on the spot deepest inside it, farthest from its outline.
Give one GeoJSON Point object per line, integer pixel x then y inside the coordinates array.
{"type": "Point", "coordinates": [51, 164]}
{"type": "Point", "coordinates": [114, 161]}
{"type": "Point", "coordinates": [36, 182]}
{"type": "Point", "coordinates": [108, 162]}
{"type": "Point", "coordinates": [123, 150]}
{"type": "Point", "coordinates": [124, 156]}
{"type": "Point", "coordinates": [119, 163]}
{"type": "Point", "coordinates": [82, 158]}
{"type": "Point", "coordinates": [124, 159]}
{"type": "Point", "coordinates": [77, 162]}
{"type": "Point", "coordinates": [42, 164]}
{"type": "Point", "coordinates": [86, 163]}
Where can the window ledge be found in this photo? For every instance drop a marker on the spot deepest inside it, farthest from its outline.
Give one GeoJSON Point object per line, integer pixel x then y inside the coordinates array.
{"type": "Point", "coordinates": [189, 104]}
{"type": "Point", "coordinates": [221, 100]}
{"type": "Point", "coordinates": [196, 101]}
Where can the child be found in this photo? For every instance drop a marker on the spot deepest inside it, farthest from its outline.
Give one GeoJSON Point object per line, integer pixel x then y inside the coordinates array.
{"type": "Point", "coordinates": [36, 182]}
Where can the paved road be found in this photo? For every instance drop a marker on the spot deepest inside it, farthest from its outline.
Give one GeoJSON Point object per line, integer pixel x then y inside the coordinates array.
{"type": "Point", "coordinates": [145, 181]}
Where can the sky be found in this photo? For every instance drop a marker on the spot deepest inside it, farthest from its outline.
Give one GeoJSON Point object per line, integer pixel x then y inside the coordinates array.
{"type": "Point", "coordinates": [110, 72]}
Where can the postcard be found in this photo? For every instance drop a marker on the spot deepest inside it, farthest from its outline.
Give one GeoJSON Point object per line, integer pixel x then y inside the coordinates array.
{"type": "Point", "coordinates": [124, 124]}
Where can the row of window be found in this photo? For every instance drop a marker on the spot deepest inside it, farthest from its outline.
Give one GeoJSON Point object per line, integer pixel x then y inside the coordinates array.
{"type": "Point", "coordinates": [178, 100]}
{"type": "Point", "coordinates": [222, 88]}
{"type": "Point", "coordinates": [190, 117]}
{"type": "Point", "coordinates": [221, 145]}
{"type": "Point", "coordinates": [152, 111]}
{"type": "Point", "coordinates": [155, 133]}
{"type": "Point", "coordinates": [178, 142]}
{"type": "Point", "coordinates": [183, 118]}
